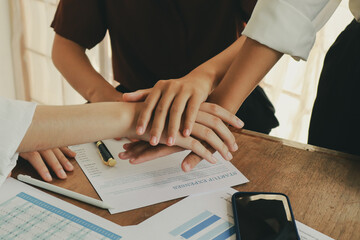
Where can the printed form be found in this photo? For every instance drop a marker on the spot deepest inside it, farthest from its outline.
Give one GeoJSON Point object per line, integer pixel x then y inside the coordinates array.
{"type": "Point", "coordinates": [126, 186]}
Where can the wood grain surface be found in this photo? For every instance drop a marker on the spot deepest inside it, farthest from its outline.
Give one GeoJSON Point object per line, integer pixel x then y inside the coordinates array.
{"type": "Point", "coordinates": [323, 185]}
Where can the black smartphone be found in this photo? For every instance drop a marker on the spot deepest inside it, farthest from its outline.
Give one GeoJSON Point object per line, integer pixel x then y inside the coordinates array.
{"type": "Point", "coordinates": [265, 216]}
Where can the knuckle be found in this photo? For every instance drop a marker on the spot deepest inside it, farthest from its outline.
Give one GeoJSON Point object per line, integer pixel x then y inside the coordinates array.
{"type": "Point", "coordinates": [214, 108]}
{"type": "Point", "coordinates": [188, 122]}
{"type": "Point", "coordinates": [197, 92]}
{"type": "Point", "coordinates": [63, 159]}
{"type": "Point", "coordinates": [208, 133]}
{"type": "Point", "coordinates": [224, 148]}
{"type": "Point", "coordinates": [142, 120]}
{"type": "Point", "coordinates": [192, 110]}
{"type": "Point", "coordinates": [154, 131]}
{"type": "Point", "coordinates": [160, 108]}
{"type": "Point", "coordinates": [147, 103]}
{"type": "Point", "coordinates": [34, 154]}
{"type": "Point", "coordinates": [161, 83]}
{"type": "Point", "coordinates": [216, 121]}
{"type": "Point", "coordinates": [194, 143]}
{"type": "Point", "coordinates": [175, 110]}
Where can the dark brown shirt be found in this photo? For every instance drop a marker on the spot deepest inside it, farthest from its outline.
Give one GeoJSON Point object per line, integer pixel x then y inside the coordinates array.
{"type": "Point", "coordinates": [153, 40]}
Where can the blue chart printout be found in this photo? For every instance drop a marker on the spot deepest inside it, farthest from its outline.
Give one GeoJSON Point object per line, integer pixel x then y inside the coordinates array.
{"type": "Point", "coordinates": [28, 213]}
{"type": "Point", "coordinates": [201, 217]}
{"type": "Point", "coordinates": [205, 226]}
{"type": "Point", "coordinates": [26, 217]}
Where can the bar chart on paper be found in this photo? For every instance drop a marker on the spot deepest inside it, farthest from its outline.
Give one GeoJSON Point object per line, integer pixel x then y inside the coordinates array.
{"type": "Point", "coordinates": [205, 226]}
{"type": "Point", "coordinates": [26, 217]}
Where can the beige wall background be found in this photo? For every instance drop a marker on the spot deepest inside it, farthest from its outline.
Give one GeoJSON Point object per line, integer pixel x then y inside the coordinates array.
{"type": "Point", "coordinates": [7, 86]}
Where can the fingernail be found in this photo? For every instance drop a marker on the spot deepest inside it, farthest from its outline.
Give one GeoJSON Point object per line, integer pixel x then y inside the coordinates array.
{"type": "Point", "coordinates": [48, 177]}
{"type": "Point", "coordinates": [126, 146]}
{"type": "Point", "coordinates": [229, 156]}
{"type": "Point", "coordinates": [153, 140]}
{"type": "Point", "coordinates": [187, 132]}
{"type": "Point", "coordinates": [122, 155]}
{"type": "Point", "coordinates": [140, 130]}
{"type": "Point", "coordinates": [69, 166]}
{"type": "Point", "coordinates": [171, 141]}
{"type": "Point", "coordinates": [61, 173]}
{"type": "Point", "coordinates": [214, 160]}
{"type": "Point", "coordinates": [187, 167]}
{"type": "Point", "coordinates": [235, 147]}
{"type": "Point", "coordinates": [240, 123]}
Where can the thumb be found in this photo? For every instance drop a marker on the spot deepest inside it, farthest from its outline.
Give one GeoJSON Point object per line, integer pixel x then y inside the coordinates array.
{"type": "Point", "coordinates": [138, 96]}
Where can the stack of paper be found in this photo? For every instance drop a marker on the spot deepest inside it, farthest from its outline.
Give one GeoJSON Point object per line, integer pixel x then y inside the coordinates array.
{"type": "Point", "coordinates": [28, 213]}
{"type": "Point", "coordinates": [126, 186]}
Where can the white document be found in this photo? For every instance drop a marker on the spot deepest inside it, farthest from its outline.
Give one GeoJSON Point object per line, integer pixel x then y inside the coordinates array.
{"type": "Point", "coordinates": [28, 213]}
{"type": "Point", "coordinates": [126, 186]}
{"type": "Point", "coordinates": [203, 217]}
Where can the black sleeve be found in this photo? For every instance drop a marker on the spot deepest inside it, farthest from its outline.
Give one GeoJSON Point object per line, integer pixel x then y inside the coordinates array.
{"type": "Point", "coordinates": [81, 21]}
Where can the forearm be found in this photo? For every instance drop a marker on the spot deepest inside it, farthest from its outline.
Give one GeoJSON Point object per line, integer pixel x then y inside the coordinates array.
{"type": "Point", "coordinates": [216, 67]}
{"type": "Point", "coordinates": [54, 126]}
{"type": "Point", "coordinates": [249, 67]}
{"type": "Point", "coordinates": [70, 59]}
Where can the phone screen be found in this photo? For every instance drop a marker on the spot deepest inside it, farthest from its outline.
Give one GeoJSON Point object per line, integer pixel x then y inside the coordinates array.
{"type": "Point", "coordinates": [263, 216]}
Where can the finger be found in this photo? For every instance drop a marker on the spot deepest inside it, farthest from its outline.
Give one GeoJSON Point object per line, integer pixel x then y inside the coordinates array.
{"type": "Point", "coordinates": [155, 152]}
{"type": "Point", "coordinates": [68, 152]}
{"type": "Point", "coordinates": [129, 146]}
{"type": "Point", "coordinates": [133, 149]}
{"type": "Point", "coordinates": [190, 161]}
{"type": "Point", "coordinates": [192, 110]}
{"type": "Point", "coordinates": [37, 162]}
{"type": "Point", "coordinates": [222, 113]}
{"type": "Point", "coordinates": [161, 112]}
{"type": "Point", "coordinates": [197, 147]}
{"type": "Point", "coordinates": [146, 113]}
{"type": "Point", "coordinates": [206, 134]}
{"type": "Point", "coordinates": [118, 139]}
{"type": "Point", "coordinates": [217, 125]}
{"type": "Point", "coordinates": [50, 158]}
{"type": "Point", "coordinates": [176, 112]}
{"type": "Point", "coordinates": [63, 160]}
{"type": "Point", "coordinates": [137, 96]}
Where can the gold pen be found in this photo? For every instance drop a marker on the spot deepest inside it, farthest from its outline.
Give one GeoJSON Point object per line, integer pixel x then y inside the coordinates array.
{"type": "Point", "coordinates": [105, 154]}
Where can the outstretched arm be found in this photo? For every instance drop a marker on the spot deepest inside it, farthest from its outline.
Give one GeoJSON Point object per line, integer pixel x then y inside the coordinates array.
{"type": "Point", "coordinates": [56, 126]}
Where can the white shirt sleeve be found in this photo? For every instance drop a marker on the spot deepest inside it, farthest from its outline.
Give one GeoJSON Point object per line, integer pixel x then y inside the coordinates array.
{"type": "Point", "coordinates": [15, 119]}
{"type": "Point", "coordinates": [289, 26]}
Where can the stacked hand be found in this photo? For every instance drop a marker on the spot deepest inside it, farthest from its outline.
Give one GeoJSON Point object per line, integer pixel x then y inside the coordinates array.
{"type": "Point", "coordinates": [209, 127]}
{"type": "Point", "coordinates": [169, 100]}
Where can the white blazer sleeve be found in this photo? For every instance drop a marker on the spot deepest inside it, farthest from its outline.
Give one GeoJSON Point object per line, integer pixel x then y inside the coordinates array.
{"type": "Point", "coordinates": [15, 119]}
{"type": "Point", "coordinates": [289, 26]}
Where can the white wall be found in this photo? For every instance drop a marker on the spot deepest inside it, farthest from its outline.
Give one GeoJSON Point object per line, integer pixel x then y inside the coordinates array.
{"type": "Point", "coordinates": [7, 88]}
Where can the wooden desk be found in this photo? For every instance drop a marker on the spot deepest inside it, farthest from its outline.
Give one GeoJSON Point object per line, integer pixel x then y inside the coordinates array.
{"type": "Point", "coordinates": [323, 185]}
